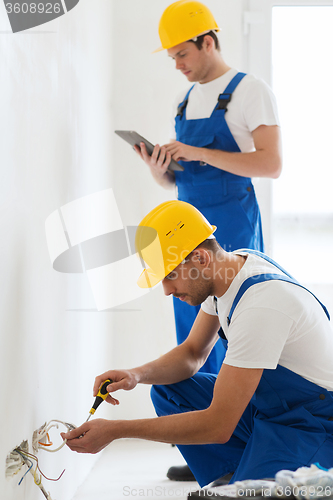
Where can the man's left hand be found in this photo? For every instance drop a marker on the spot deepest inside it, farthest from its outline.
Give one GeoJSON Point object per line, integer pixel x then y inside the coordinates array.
{"type": "Point", "coordinates": [90, 437]}
{"type": "Point", "coordinates": [180, 151]}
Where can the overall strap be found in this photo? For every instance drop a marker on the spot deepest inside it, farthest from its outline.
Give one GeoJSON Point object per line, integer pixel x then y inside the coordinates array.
{"type": "Point", "coordinates": [260, 278]}
{"type": "Point", "coordinates": [225, 97]}
{"type": "Point", "coordinates": [182, 106]}
{"type": "Point", "coordinates": [265, 257]}
{"type": "Point", "coordinates": [221, 331]}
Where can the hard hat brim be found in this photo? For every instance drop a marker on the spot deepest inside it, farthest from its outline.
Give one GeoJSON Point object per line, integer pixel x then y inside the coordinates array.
{"type": "Point", "coordinates": [158, 50]}
{"type": "Point", "coordinates": [148, 279]}
{"type": "Point", "coordinates": [196, 36]}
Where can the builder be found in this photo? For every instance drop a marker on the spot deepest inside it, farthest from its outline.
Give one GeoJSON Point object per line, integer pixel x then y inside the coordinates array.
{"type": "Point", "coordinates": [226, 130]}
{"type": "Point", "coordinates": [271, 405]}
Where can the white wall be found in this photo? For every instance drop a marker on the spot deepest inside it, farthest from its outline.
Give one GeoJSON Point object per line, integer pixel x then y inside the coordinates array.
{"type": "Point", "coordinates": [65, 87]}
{"type": "Point", "coordinates": [55, 124]}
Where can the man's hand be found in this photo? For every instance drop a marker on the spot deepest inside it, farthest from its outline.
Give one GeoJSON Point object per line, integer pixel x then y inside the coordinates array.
{"type": "Point", "coordinates": [90, 437]}
{"type": "Point", "coordinates": [180, 151]}
{"type": "Point", "coordinates": [158, 163]}
{"type": "Point", "coordinates": [159, 159]}
{"type": "Point", "coordinates": [121, 379]}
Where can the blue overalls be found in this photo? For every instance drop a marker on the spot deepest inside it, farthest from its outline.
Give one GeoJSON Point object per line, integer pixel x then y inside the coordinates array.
{"type": "Point", "coordinates": [228, 201]}
{"type": "Point", "coordinates": [287, 424]}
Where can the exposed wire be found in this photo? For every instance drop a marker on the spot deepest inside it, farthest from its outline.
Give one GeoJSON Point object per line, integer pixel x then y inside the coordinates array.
{"type": "Point", "coordinates": [24, 455]}
{"type": "Point", "coordinates": [14, 461]}
{"type": "Point", "coordinates": [40, 486]}
{"type": "Point", "coordinates": [29, 469]}
{"type": "Point", "coordinates": [56, 449]}
{"type": "Point", "coordinates": [30, 455]}
{"type": "Point", "coordinates": [49, 443]}
{"type": "Point", "coordinates": [43, 434]}
{"type": "Point", "coordinates": [42, 441]}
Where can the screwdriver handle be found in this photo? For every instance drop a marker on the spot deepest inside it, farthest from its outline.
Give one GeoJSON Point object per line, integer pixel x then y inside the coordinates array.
{"type": "Point", "coordinates": [101, 395]}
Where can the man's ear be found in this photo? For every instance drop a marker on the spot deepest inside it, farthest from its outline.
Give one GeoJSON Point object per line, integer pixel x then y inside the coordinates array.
{"type": "Point", "coordinates": [201, 255]}
{"type": "Point", "coordinates": [208, 43]}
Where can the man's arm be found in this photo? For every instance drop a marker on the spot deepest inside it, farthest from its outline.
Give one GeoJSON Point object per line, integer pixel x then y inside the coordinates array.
{"type": "Point", "coordinates": [180, 363]}
{"type": "Point", "coordinates": [158, 163]}
{"type": "Point", "coordinates": [233, 390]}
{"type": "Point", "coordinates": [265, 161]}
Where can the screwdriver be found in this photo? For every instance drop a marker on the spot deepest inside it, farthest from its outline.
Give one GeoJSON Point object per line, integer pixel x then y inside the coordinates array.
{"type": "Point", "coordinates": [101, 396]}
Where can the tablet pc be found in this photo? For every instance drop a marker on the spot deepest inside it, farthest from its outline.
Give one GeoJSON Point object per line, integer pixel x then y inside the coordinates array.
{"type": "Point", "coordinates": [133, 138]}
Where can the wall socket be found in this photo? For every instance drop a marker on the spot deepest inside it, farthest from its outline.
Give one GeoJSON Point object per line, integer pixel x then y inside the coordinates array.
{"type": "Point", "coordinates": [39, 436]}
{"type": "Point", "coordinates": [14, 461]}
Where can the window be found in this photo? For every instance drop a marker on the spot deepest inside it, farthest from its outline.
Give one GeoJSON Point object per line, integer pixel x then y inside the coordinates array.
{"type": "Point", "coordinates": [290, 45]}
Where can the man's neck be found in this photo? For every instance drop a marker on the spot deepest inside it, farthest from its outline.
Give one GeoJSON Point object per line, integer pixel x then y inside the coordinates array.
{"type": "Point", "coordinates": [218, 69]}
{"type": "Point", "coordinates": [227, 270]}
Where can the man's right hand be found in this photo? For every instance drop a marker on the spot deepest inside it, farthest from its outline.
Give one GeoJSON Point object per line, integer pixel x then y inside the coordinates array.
{"type": "Point", "coordinates": [121, 379]}
{"type": "Point", "coordinates": [158, 163]}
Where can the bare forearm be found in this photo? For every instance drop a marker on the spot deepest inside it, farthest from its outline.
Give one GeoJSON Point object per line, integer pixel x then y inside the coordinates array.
{"type": "Point", "coordinates": [264, 161]}
{"type": "Point", "coordinates": [174, 366]}
{"type": "Point", "coordinates": [254, 164]}
{"type": "Point", "coordinates": [167, 180]}
{"type": "Point", "coordinates": [186, 359]}
{"type": "Point", "coordinates": [195, 427]}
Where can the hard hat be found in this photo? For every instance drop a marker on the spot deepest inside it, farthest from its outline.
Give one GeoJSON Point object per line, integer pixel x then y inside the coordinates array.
{"type": "Point", "coordinates": [184, 20]}
{"type": "Point", "coordinates": [166, 236]}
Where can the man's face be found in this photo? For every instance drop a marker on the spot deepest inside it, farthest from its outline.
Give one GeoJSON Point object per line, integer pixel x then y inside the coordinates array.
{"type": "Point", "coordinates": [191, 61]}
{"type": "Point", "coordinates": [188, 283]}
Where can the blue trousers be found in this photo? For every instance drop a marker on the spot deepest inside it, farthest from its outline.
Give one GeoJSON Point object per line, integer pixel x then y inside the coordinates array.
{"type": "Point", "coordinates": [279, 435]}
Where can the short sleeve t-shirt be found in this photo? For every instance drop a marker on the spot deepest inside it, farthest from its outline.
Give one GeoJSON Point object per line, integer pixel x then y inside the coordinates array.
{"type": "Point", "coordinates": [253, 104]}
{"type": "Point", "coordinates": [275, 323]}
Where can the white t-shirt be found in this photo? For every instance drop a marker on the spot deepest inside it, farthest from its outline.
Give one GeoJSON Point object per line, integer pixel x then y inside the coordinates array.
{"type": "Point", "coordinates": [252, 104]}
{"type": "Point", "coordinates": [275, 323]}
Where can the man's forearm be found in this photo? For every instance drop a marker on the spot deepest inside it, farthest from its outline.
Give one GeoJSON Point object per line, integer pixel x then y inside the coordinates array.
{"type": "Point", "coordinates": [264, 161]}
{"type": "Point", "coordinates": [195, 427]}
{"type": "Point", "coordinates": [254, 164]}
{"type": "Point", "coordinates": [167, 181]}
{"type": "Point", "coordinates": [174, 366]}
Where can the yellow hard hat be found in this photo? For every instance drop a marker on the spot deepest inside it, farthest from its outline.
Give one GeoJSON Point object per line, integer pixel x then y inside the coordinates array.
{"type": "Point", "coordinates": [184, 20]}
{"type": "Point", "coordinates": [166, 236]}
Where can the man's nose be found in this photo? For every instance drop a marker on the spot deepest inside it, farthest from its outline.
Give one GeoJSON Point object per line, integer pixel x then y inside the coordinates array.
{"type": "Point", "coordinates": [179, 64]}
{"type": "Point", "coordinates": [168, 286]}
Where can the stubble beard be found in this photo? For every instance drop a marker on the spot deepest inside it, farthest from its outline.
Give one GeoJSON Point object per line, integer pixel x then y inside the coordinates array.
{"type": "Point", "coordinates": [202, 289]}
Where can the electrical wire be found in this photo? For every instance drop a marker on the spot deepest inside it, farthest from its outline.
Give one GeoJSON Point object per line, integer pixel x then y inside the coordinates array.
{"type": "Point", "coordinates": [24, 456]}
{"type": "Point", "coordinates": [29, 469]}
{"type": "Point", "coordinates": [44, 434]}
{"type": "Point", "coordinates": [56, 449]}
{"type": "Point", "coordinates": [49, 442]}
{"type": "Point", "coordinates": [40, 486]}
{"type": "Point", "coordinates": [28, 458]}
{"type": "Point", "coordinates": [30, 455]}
